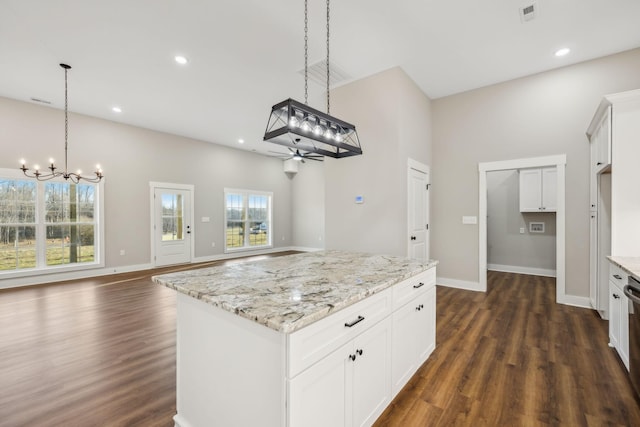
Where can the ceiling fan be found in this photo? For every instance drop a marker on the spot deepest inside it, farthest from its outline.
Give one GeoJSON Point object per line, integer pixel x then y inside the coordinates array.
{"type": "Point", "coordinates": [299, 155]}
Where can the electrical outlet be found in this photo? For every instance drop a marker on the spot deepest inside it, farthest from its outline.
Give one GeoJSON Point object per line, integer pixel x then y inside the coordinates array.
{"type": "Point", "coordinates": [213, 244]}
{"type": "Point", "coordinates": [521, 230]}
{"type": "Point", "coordinates": [122, 252]}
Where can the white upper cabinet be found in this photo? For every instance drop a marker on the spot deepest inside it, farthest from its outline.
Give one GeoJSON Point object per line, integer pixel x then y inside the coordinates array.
{"type": "Point", "coordinates": [538, 190]}
{"type": "Point", "coordinates": [600, 137]}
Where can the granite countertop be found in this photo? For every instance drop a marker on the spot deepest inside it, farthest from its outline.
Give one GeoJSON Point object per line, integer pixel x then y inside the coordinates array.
{"type": "Point", "coordinates": [290, 292]}
{"type": "Point", "coordinates": [628, 263]}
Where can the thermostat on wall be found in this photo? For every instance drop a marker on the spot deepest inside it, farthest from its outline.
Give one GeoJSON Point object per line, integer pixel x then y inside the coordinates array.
{"type": "Point", "coordinates": [359, 199]}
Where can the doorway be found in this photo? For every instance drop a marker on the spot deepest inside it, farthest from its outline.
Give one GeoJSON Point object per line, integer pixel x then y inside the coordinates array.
{"type": "Point", "coordinates": [171, 223]}
{"type": "Point", "coordinates": [559, 161]}
{"type": "Point", "coordinates": [418, 210]}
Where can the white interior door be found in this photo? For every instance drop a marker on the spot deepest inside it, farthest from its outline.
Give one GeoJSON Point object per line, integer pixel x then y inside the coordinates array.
{"type": "Point", "coordinates": [172, 230]}
{"type": "Point", "coordinates": [418, 208]}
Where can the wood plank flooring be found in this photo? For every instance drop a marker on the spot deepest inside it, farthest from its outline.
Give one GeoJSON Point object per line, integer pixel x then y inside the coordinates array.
{"type": "Point", "coordinates": [101, 352]}
{"type": "Point", "coordinates": [513, 357]}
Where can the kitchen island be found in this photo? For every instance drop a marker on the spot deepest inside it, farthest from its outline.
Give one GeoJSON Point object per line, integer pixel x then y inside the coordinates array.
{"type": "Point", "coordinates": [320, 338]}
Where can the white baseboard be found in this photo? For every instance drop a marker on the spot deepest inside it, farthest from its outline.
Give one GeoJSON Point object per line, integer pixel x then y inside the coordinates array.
{"type": "Point", "coordinates": [522, 270]}
{"type": "Point", "coordinates": [459, 284]}
{"type": "Point", "coordinates": [576, 301]}
{"type": "Point", "coordinates": [71, 275]}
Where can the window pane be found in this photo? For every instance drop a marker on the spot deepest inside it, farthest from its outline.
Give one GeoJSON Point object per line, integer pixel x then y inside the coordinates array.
{"type": "Point", "coordinates": [258, 206]}
{"type": "Point", "coordinates": [56, 196]}
{"type": "Point", "coordinates": [258, 234]}
{"type": "Point", "coordinates": [17, 247]}
{"type": "Point", "coordinates": [172, 217]}
{"type": "Point", "coordinates": [17, 201]}
{"type": "Point", "coordinates": [70, 244]}
{"type": "Point", "coordinates": [86, 202]}
{"type": "Point", "coordinates": [235, 234]}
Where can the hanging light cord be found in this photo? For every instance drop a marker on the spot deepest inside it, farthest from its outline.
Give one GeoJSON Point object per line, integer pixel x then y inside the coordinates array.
{"type": "Point", "coordinates": [66, 121]}
{"type": "Point", "coordinates": [306, 52]}
{"type": "Point", "coordinates": [328, 69]}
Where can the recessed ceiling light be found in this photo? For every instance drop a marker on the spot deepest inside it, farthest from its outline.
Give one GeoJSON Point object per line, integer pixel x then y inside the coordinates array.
{"type": "Point", "coordinates": [241, 141]}
{"type": "Point", "coordinates": [182, 60]}
{"type": "Point", "coordinates": [562, 52]}
{"type": "Point", "coordinates": [116, 110]}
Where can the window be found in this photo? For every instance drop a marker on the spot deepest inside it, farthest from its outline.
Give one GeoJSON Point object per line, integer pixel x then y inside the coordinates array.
{"type": "Point", "coordinates": [47, 224]}
{"type": "Point", "coordinates": [247, 219]}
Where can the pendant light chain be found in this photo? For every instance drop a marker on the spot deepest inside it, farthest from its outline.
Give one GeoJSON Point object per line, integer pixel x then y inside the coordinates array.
{"type": "Point", "coordinates": [328, 69]}
{"type": "Point", "coordinates": [66, 120]}
{"type": "Point", "coordinates": [306, 52]}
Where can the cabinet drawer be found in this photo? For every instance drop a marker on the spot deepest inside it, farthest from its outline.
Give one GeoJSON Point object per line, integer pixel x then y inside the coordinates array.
{"type": "Point", "coordinates": [617, 275]}
{"type": "Point", "coordinates": [310, 344]}
{"type": "Point", "coordinates": [407, 290]}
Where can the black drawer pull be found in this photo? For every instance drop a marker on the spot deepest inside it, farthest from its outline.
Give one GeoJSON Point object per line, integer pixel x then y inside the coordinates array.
{"type": "Point", "coordinates": [617, 276]}
{"type": "Point", "coordinates": [355, 322]}
{"type": "Point", "coordinates": [419, 285]}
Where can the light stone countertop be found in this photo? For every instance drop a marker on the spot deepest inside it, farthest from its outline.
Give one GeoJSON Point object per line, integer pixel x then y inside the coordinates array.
{"type": "Point", "coordinates": [290, 292]}
{"type": "Point", "coordinates": [629, 264]}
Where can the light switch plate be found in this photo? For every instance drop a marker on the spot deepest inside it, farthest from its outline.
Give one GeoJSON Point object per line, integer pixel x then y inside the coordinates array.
{"type": "Point", "coordinates": [469, 219]}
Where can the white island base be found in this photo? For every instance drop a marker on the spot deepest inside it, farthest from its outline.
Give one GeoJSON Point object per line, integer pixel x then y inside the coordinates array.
{"type": "Point", "coordinates": [340, 370]}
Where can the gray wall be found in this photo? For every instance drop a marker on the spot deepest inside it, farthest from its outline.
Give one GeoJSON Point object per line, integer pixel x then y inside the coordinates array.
{"type": "Point", "coordinates": [506, 246]}
{"type": "Point", "coordinates": [132, 157]}
{"type": "Point", "coordinates": [307, 205]}
{"type": "Point", "coordinates": [540, 115]}
{"type": "Point", "coordinates": [392, 117]}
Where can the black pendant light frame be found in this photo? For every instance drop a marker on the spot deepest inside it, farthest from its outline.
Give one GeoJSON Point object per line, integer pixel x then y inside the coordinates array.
{"type": "Point", "coordinates": [298, 126]}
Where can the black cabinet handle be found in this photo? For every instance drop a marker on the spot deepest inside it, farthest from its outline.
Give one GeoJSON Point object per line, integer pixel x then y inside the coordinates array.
{"type": "Point", "coordinates": [413, 237]}
{"type": "Point", "coordinates": [419, 285]}
{"type": "Point", "coordinates": [359, 352]}
{"type": "Point", "coordinates": [420, 307]}
{"type": "Point", "coordinates": [354, 322]}
{"type": "Point", "coordinates": [598, 164]}
{"type": "Point", "coordinates": [616, 296]}
{"type": "Point", "coordinates": [617, 276]}
{"type": "Point", "coordinates": [352, 357]}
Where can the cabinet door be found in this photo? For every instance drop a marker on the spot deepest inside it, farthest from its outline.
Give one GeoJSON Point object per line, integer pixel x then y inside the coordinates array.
{"type": "Point", "coordinates": [426, 323]}
{"type": "Point", "coordinates": [405, 345]}
{"type": "Point", "coordinates": [530, 190]}
{"type": "Point", "coordinates": [593, 177]}
{"type": "Point", "coordinates": [317, 395]}
{"type": "Point", "coordinates": [614, 316]}
{"type": "Point", "coordinates": [604, 141]}
{"type": "Point", "coordinates": [593, 262]}
{"type": "Point", "coordinates": [549, 189]}
{"type": "Point", "coordinates": [371, 385]}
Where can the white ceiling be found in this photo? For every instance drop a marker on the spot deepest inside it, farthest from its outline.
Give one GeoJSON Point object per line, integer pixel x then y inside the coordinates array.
{"type": "Point", "coordinates": [245, 55]}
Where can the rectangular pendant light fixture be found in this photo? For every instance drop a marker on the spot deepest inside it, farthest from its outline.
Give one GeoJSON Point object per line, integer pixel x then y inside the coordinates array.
{"type": "Point", "coordinates": [298, 126]}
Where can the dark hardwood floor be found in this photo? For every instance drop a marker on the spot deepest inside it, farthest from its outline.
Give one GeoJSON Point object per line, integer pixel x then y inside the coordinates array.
{"type": "Point", "coordinates": [513, 357]}
{"type": "Point", "coordinates": [101, 352]}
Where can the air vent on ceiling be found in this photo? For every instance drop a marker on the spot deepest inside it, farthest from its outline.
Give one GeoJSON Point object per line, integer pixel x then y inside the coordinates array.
{"type": "Point", "coordinates": [318, 73]}
{"type": "Point", "coordinates": [529, 12]}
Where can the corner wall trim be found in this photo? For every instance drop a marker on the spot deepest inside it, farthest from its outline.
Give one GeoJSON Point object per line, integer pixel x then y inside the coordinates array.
{"type": "Point", "coordinates": [576, 301]}
{"type": "Point", "coordinates": [459, 284]}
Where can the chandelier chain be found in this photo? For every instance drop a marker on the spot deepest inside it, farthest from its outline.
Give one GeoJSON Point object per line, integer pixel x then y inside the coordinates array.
{"type": "Point", "coordinates": [328, 69]}
{"type": "Point", "coordinates": [66, 121]}
{"type": "Point", "coordinates": [306, 52]}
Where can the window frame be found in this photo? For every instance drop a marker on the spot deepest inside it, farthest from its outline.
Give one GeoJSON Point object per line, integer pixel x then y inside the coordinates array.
{"type": "Point", "coordinates": [41, 267]}
{"type": "Point", "coordinates": [246, 247]}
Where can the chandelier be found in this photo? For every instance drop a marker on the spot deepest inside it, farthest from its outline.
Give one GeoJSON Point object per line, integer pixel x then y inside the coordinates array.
{"type": "Point", "coordinates": [298, 126]}
{"type": "Point", "coordinates": [54, 173]}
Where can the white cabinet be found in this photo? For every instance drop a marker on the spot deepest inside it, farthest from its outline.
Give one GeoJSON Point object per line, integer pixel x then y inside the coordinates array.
{"type": "Point", "coordinates": [353, 383]}
{"type": "Point", "coordinates": [618, 314]}
{"type": "Point", "coordinates": [613, 134]}
{"type": "Point", "coordinates": [601, 140]}
{"type": "Point", "coordinates": [538, 190]}
{"type": "Point", "coordinates": [413, 337]}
